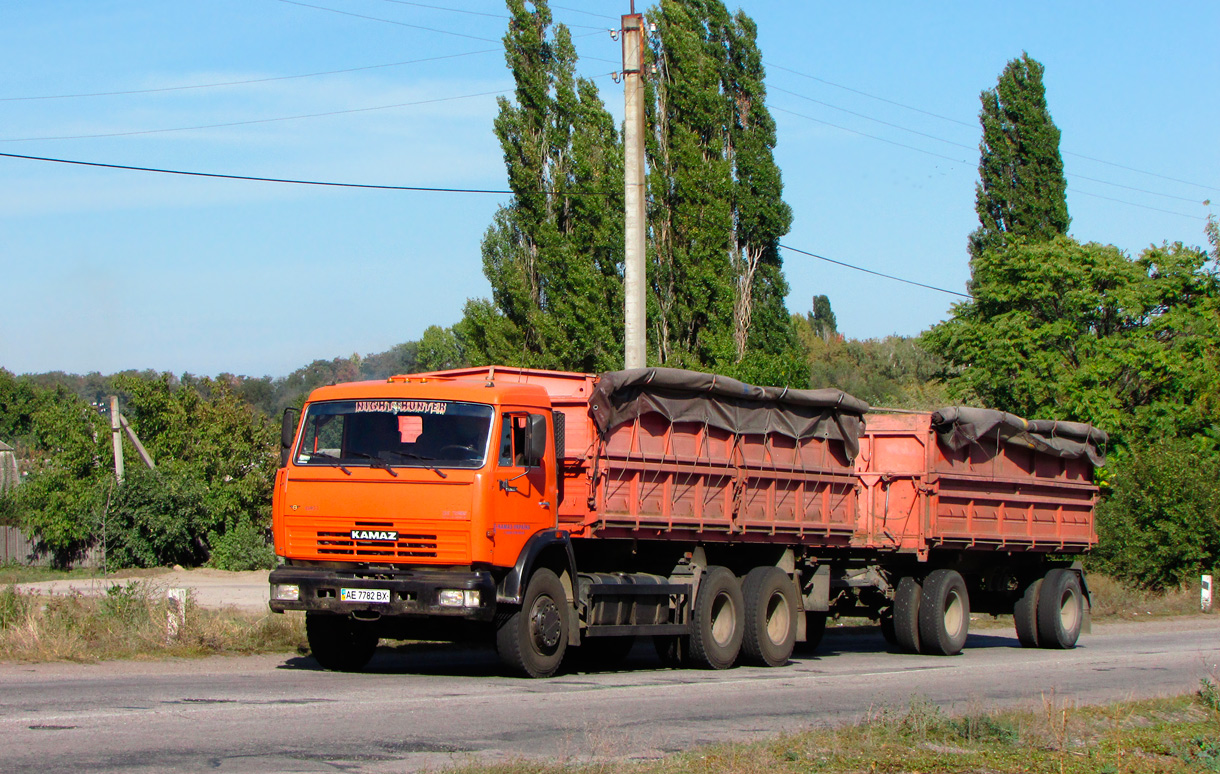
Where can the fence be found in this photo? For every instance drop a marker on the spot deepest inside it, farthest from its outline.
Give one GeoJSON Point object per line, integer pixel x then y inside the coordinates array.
{"type": "Point", "coordinates": [17, 548]}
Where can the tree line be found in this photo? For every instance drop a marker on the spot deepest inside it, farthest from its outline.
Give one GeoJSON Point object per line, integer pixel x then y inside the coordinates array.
{"type": "Point", "coordinates": [1053, 328]}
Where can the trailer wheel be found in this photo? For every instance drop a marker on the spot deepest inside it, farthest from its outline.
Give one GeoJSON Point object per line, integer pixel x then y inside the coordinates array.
{"type": "Point", "coordinates": [770, 612]}
{"type": "Point", "coordinates": [905, 614]}
{"type": "Point", "coordinates": [1060, 609]}
{"type": "Point", "coordinates": [719, 620]}
{"type": "Point", "coordinates": [338, 643]}
{"type": "Point", "coordinates": [1025, 615]}
{"type": "Point", "coordinates": [533, 638]}
{"type": "Point", "coordinates": [944, 614]}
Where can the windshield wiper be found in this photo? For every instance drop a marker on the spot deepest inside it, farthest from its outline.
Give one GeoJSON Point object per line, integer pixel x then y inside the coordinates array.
{"type": "Point", "coordinates": [375, 462]}
{"type": "Point", "coordinates": [330, 460]}
{"type": "Point", "coordinates": [410, 456]}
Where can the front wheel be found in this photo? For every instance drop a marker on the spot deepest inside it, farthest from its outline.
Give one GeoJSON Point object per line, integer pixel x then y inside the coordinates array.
{"type": "Point", "coordinates": [770, 632]}
{"type": "Point", "coordinates": [339, 643]}
{"type": "Point", "coordinates": [719, 620]}
{"type": "Point", "coordinates": [533, 638]}
{"type": "Point", "coordinates": [944, 614]}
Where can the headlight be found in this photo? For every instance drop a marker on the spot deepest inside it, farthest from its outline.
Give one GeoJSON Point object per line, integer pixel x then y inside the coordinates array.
{"type": "Point", "coordinates": [289, 592]}
{"type": "Point", "coordinates": [457, 598]}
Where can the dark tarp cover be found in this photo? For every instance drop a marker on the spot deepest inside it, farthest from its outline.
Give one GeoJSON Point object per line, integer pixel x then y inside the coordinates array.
{"type": "Point", "coordinates": [718, 401]}
{"type": "Point", "coordinates": [959, 426]}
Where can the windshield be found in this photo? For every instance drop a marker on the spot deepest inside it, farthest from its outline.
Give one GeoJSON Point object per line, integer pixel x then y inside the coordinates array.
{"type": "Point", "coordinates": [398, 433]}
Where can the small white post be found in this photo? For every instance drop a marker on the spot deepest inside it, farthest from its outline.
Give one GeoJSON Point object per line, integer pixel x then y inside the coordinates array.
{"type": "Point", "coordinates": [1205, 594]}
{"type": "Point", "coordinates": [175, 615]}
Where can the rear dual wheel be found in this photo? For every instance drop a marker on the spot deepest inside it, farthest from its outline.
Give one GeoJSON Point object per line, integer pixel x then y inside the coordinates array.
{"type": "Point", "coordinates": [719, 620]}
{"type": "Point", "coordinates": [770, 617]}
{"type": "Point", "coordinates": [932, 617]}
{"type": "Point", "coordinates": [1050, 612]}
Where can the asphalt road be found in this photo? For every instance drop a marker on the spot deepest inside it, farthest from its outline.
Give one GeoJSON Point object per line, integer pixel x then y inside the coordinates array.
{"type": "Point", "coordinates": [427, 706]}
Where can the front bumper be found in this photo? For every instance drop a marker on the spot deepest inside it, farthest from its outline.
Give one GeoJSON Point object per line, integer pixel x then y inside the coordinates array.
{"type": "Point", "coordinates": [412, 592]}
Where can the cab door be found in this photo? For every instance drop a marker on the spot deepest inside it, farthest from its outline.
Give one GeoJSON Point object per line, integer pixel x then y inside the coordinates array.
{"type": "Point", "coordinates": [522, 503]}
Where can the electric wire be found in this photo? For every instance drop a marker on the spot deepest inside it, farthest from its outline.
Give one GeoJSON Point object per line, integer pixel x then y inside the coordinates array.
{"type": "Point", "coordinates": [388, 21]}
{"type": "Point", "coordinates": [776, 66]}
{"type": "Point", "coordinates": [250, 80]}
{"type": "Point", "coordinates": [481, 13]}
{"type": "Point", "coordinates": [291, 181]}
{"type": "Point", "coordinates": [874, 273]}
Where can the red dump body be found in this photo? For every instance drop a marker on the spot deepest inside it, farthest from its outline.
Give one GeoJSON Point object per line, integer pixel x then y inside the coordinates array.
{"type": "Point", "coordinates": [906, 491]}
{"type": "Point", "coordinates": [917, 494]}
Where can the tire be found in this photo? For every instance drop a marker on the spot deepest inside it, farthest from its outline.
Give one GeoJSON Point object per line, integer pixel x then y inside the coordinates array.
{"type": "Point", "coordinates": [533, 638]}
{"type": "Point", "coordinates": [905, 614]}
{"type": "Point", "coordinates": [770, 613]}
{"type": "Point", "coordinates": [339, 643]}
{"type": "Point", "coordinates": [815, 630]}
{"type": "Point", "coordinates": [718, 620]}
{"type": "Point", "coordinates": [603, 653]}
{"type": "Point", "coordinates": [674, 651]}
{"type": "Point", "coordinates": [1025, 615]}
{"type": "Point", "coordinates": [944, 614]}
{"type": "Point", "coordinates": [1060, 609]}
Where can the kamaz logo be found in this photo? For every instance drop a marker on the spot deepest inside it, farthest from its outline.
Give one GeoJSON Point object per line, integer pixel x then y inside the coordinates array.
{"type": "Point", "coordinates": [374, 534]}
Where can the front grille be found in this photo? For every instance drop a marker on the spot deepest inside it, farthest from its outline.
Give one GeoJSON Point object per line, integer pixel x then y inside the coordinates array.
{"type": "Point", "coordinates": [341, 544]}
{"type": "Point", "coordinates": [419, 540]}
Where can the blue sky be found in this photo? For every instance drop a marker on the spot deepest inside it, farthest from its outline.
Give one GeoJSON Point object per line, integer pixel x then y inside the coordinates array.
{"type": "Point", "coordinates": [107, 270]}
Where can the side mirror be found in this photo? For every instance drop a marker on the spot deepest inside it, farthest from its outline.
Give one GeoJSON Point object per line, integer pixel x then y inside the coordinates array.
{"type": "Point", "coordinates": [288, 431]}
{"type": "Point", "coordinates": [535, 440]}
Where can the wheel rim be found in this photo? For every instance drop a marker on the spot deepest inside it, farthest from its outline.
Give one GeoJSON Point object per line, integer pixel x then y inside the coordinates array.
{"type": "Point", "coordinates": [778, 622]}
{"type": "Point", "coordinates": [546, 624]}
{"type": "Point", "coordinates": [1069, 610]}
{"type": "Point", "coordinates": [724, 619]}
{"type": "Point", "coordinates": [954, 614]}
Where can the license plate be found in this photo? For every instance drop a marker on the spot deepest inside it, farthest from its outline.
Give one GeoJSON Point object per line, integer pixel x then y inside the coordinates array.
{"type": "Point", "coordinates": [364, 595]}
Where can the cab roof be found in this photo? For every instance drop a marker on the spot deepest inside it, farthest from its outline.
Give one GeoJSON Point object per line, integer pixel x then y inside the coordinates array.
{"type": "Point", "coordinates": [435, 388]}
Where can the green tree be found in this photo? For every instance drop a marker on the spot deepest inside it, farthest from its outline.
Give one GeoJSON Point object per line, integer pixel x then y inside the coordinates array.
{"type": "Point", "coordinates": [717, 212]}
{"type": "Point", "coordinates": [553, 255]}
{"type": "Point", "coordinates": [1021, 190]}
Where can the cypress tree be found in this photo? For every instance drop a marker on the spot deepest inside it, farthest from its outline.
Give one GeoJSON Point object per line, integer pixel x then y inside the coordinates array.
{"type": "Point", "coordinates": [1021, 190]}
{"type": "Point", "coordinates": [553, 254]}
{"type": "Point", "coordinates": [716, 279]}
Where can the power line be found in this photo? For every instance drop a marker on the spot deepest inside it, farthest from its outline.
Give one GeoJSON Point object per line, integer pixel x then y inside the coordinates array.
{"type": "Point", "coordinates": [249, 80]}
{"type": "Point", "coordinates": [388, 21]}
{"type": "Point", "coordinates": [775, 66]}
{"type": "Point", "coordinates": [587, 13]}
{"type": "Point", "coordinates": [970, 147]}
{"type": "Point", "coordinates": [480, 13]}
{"type": "Point", "coordinates": [875, 273]}
{"type": "Point", "coordinates": [292, 181]}
{"type": "Point", "coordinates": [255, 120]}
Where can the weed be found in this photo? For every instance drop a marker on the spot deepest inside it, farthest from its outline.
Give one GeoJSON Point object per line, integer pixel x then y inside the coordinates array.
{"type": "Point", "coordinates": [1209, 693]}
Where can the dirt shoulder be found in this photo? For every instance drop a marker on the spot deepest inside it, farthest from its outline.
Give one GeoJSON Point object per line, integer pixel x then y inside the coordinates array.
{"type": "Point", "coordinates": [210, 588]}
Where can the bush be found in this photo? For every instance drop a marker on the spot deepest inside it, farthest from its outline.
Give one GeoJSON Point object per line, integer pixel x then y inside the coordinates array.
{"type": "Point", "coordinates": [242, 547]}
{"type": "Point", "coordinates": [156, 519]}
{"type": "Point", "coordinates": [1160, 526]}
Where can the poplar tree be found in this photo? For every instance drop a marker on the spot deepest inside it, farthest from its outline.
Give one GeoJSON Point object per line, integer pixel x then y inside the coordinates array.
{"type": "Point", "coordinates": [1021, 190]}
{"type": "Point", "coordinates": [553, 255]}
{"type": "Point", "coordinates": [716, 209]}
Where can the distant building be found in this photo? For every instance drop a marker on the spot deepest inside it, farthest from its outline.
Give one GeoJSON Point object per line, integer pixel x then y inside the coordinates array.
{"type": "Point", "coordinates": [9, 477]}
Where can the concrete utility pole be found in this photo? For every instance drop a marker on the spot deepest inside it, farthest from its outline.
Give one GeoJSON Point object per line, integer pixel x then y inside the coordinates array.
{"type": "Point", "coordinates": [116, 436]}
{"type": "Point", "coordinates": [634, 222]}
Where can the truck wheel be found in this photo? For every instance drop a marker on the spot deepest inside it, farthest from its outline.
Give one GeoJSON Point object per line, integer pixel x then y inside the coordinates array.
{"type": "Point", "coordinates": [338, 643]}
{"type": "Point", "coordinates": [905, 614]}
{"type": "Point", "coordinates": [1060, 609]}
{"type": "Point", "coordinates": [815, 630]}
{"type": "Point", "coordinates": [1025, 615]}
{"type": "Point", "coordinates": [770, 611]}
{"type": "Point", "coordinates": [719, 620]}
{"type": "Point", "coordinates": [944, 614]}
{"type": "Point", "coordinates": [533, 638]}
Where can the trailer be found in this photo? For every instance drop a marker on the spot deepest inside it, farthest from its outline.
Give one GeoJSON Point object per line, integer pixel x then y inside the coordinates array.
{"type": "Point", "coordinates": [550, 512]}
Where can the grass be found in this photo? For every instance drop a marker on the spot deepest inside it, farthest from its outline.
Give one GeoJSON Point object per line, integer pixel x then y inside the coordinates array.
{"type": "Point", "coordinates": [1114, 601]}
{"type": "Point", "coordinates": [130, 621]}
{"type": "Point", "coordinates": [1164, 736]}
